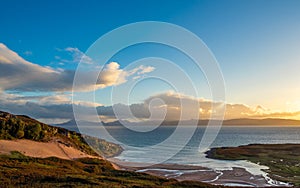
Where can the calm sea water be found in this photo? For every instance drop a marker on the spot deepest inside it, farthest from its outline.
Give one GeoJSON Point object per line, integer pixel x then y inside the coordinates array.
{"type": "Point", "coordinates": [150, 146]}
{"type": "Point", "coordinates": [160, 145]}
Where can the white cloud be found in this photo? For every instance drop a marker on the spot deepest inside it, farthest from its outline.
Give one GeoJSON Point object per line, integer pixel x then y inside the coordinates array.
{"type": "Point", "coordinates": [112, 75]}
{"type": "Point", "coordinates": [17, 74]}
{"type": "Point", "coordinates": [59, 106]}
{"type": "Point", "coordinates": [172, 104]}
{"type": "Point", "coordinates": [20, 75]}
{"type": "Point", "coordinates": [46, 108]}
{"type": "Point", "coordinates": [145, 69]}
{"type": "Point", "coordinates": [79, 56]}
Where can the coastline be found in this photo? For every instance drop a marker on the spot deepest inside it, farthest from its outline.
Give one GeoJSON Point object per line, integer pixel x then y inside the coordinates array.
{"type": "Point", "coordinates": [231, 177]}
{"type": "Point", "coordinates": [282, 159]}
{"type": "Point", "coordinates": [180, 172]}
{"type": "Point", "coordinates": [236, 176]}
{"type": "Point", "coordinates": [218, 172]}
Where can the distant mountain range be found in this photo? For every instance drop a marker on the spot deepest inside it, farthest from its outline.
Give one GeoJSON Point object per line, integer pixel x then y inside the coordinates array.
{"type": "Point", "coordinates": [268, 121]}
{"type": "Point", "coordinates": [233, 122]}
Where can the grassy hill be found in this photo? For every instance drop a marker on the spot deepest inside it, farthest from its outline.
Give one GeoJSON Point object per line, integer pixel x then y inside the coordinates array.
{"type": "Point", "coordinates": [18, 170]}
{"type": "Point", "coordinates": [24, 127]}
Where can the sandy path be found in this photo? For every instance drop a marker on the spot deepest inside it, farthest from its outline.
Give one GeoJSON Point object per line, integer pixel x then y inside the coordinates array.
{"type": "Point", "coordinates": [41, 149]}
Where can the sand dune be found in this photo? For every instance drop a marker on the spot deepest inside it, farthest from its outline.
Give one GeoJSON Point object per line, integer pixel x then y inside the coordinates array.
{"type": "Point", "coordinates": [41, 149]}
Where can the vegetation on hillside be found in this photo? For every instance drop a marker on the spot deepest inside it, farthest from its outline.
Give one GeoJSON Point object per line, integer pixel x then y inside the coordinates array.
{"type": "Point", "coordinates": [283, 160]}
{"type": "Point", "coordinates": [24, 127]}
{"type": "Point", "coordinates": [17, 170]}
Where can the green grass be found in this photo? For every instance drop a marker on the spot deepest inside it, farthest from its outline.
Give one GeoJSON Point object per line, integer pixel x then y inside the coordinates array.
{"type": "Point", "coordinates": [23, 127]}
{"type": "Point", "coordinates": [283, 160]}
{"type": "Point", "coordinates": [17, 170]}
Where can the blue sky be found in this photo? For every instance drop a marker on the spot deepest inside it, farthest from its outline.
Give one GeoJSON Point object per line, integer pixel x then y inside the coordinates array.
{"type": "Point", "coordinates": [256, 42]}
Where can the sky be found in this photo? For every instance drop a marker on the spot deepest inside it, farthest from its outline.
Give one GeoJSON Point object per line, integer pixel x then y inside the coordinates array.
{"type": "Point", "coordinates": [255, 42]}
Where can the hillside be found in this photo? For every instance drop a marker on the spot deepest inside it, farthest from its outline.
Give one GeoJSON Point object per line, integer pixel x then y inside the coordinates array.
{"type": "Point", "coordinates": [19, 170]}
{"type": "Point", "coordinates": [14, 127]}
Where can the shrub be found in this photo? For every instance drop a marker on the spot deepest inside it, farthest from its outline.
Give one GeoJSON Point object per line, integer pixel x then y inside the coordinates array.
{"type": "Point", "coordinates": [20, 134]}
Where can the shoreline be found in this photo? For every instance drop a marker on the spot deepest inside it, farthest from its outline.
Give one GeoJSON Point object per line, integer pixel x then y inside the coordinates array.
{"type": "Point", "coordinates": [236, 176]}
{"type": "Point", "coordinates": [282, 160]}
{"type": "Point", "coordinates": [231, 177]}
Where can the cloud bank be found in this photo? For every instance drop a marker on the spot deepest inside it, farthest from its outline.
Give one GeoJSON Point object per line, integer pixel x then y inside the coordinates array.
{"type": "Point", "coordinates": [52, 100]}
{"type": "Point", "coordinates": [50, 88]}
{"type": "Point", "coordinates": [60, 107]}
{"type": "Point", "coordinates": [20, 75]}
{"type": "Point", "coordinates": [173, 109]}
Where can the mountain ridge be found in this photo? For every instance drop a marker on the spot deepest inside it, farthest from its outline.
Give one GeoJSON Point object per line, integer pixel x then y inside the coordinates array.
{"type": "Point", "coordinates": [228, 122]}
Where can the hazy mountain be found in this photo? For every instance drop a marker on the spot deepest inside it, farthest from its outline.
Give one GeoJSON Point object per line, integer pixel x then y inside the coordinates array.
{"type": "Point", "coordinates": [235, 122]}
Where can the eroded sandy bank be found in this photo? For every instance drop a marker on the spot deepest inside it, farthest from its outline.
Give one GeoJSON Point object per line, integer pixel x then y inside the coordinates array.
{"type": "Point", "coordinates": [52, 148]}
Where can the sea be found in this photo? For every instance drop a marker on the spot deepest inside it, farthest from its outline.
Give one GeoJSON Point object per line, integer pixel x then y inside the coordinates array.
{"type": "Point", "coordinates": [170, 144]}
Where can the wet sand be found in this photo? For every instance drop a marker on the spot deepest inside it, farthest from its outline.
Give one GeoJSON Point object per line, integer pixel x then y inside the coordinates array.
{"type": "Point", "coordinates": [232, 177]}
